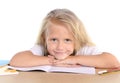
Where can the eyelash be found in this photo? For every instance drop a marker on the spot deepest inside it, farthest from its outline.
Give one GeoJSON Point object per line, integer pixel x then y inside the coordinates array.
{"type": "Point", "coordinates": [54, 39]}
{"type": "Point", "coordinates": [66, 40]}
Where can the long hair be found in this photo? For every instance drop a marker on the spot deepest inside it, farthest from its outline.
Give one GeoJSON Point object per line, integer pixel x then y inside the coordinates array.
{"type": "Point", "coordinates": [72, 21]}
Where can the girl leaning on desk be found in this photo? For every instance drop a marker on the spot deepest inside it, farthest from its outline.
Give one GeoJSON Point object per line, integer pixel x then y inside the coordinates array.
{"type": "Point", "coordinates": [63, 41]}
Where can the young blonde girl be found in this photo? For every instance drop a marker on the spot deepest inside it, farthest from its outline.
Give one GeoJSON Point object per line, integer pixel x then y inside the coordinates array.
{"type": "Point", "coordinates": [63, 41]}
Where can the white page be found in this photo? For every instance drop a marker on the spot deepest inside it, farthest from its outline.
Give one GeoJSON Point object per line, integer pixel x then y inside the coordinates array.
{"type": "Point", "coordinates": [81, 69]}
{"type": "Point", "coordinates": [44, 68]}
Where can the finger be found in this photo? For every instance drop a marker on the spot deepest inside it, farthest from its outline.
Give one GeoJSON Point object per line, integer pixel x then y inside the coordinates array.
{"type": "Point", "coordinates": [50, 56]}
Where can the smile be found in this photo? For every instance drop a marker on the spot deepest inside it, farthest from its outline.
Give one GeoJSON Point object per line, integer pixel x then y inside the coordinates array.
{"type": "Point", "coordinates": [59, 53]}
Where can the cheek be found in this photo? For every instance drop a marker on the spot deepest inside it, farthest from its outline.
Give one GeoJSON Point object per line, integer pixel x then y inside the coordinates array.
{"type": "Point", "coordinates": [71, 47]}
{"type": "Point", "coordinates": [50, 47]}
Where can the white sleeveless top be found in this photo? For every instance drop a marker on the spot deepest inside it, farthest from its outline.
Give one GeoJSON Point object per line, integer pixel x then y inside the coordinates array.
{"type": "Point", "coordinates": [86, 50]}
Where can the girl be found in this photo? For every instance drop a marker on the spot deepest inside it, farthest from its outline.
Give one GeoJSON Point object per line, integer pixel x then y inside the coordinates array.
{"type": "Point", "coordinates": [63, 41]}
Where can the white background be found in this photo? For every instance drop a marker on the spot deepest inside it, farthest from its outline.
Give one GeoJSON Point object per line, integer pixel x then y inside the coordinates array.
{"type": "Point", "coordinates": [20, 22]}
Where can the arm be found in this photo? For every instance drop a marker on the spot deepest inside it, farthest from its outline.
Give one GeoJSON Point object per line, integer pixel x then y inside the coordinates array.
{"type": "Point", "coordinates": [26, 58]}
{"type": "Point", "coordinates": [104, 60]}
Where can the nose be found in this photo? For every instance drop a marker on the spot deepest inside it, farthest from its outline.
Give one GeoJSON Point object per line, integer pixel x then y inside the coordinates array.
{"type": "Point", "coordinates": [60, 45]}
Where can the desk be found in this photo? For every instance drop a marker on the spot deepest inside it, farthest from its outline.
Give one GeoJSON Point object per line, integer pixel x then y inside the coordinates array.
{"type": "Point", "coordinates": [44, 77]}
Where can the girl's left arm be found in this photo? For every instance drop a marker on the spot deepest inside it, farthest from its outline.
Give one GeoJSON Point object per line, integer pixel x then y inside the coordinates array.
{"type": "Point", "coordinates": [104, 60]}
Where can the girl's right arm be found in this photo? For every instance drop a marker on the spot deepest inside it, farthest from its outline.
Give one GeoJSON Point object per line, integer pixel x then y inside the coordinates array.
{"type": "Point", "coordinates": [27, 59]}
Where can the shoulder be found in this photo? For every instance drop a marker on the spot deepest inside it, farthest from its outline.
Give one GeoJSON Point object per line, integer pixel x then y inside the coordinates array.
{"type": "Point", "coordinates": [37, 50]}
{"type": "Point", "coordinates": [89, 50]}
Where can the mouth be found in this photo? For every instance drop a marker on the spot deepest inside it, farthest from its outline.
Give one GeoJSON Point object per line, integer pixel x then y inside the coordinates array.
{"type": "Point", "coordinates": [60, 53]}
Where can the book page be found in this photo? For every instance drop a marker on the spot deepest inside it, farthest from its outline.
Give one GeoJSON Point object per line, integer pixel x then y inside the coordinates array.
{"type": "Point", "coordinates": [47, 68]}
{"type": "Point", "coordinates": [81, 69]}
{"type": "Point", "coordinates": [43, 68]}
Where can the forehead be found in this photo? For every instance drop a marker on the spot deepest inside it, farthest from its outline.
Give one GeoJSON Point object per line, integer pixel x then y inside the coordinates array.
{"type": "Point", "coordinates": [54, 25]}
{"type": "Point", "coordinates": [58, 29]}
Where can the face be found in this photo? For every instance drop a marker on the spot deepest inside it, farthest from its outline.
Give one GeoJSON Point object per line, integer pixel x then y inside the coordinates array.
{"type": "Point", "coordinates": [60, 41]}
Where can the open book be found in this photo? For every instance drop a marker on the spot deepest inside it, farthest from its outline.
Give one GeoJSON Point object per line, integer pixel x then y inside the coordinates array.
{"type": "Point", "coordinates": [81, 69]}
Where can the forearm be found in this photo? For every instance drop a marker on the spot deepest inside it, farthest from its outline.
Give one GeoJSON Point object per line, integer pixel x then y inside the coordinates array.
{"type": "Point", "coordinates": [26, 59]}
{"type": "Point", "coordinates": [104, 60]}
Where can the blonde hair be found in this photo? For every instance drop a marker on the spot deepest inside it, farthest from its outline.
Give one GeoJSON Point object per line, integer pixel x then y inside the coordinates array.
{"type": "Point", "coordinates": [72, 21]}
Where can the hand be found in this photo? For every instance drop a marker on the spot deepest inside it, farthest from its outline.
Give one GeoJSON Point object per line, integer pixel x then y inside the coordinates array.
{"type": "Point", "coordinates": [51, 59]}
{"type": "Point", "coordinates": [67, 62]}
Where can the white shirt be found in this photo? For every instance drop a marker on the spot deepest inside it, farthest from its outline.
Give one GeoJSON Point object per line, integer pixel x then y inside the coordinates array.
{"type": "Point", "coordinates": [86, 50]}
